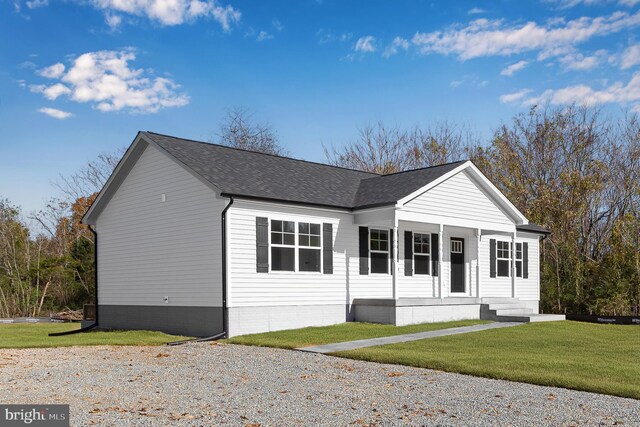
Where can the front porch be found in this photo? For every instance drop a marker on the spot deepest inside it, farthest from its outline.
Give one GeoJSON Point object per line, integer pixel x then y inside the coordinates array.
{"type": "Point", "coordinates": [409, 311]}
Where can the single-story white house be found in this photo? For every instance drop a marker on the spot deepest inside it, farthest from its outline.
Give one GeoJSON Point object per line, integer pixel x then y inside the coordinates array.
{"type": "Point", "coordinates": [201, 239]}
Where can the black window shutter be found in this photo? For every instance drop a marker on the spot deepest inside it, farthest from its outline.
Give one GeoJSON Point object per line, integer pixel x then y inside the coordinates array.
{"type": "Point", "coordinates": [364, 250]}
{"type": "Point", "coordinates": [525, 260]}
{"type": "Point", "coordinates": [492, 258]}
{"type": "Point", "coordinates": [393, 260]}
{"type": "Point", "coordinates": [435, 254]}
{"type": "Point", "coordinates": [262, 245]}
{"type": "Point", "coordinates": [408, 253]}
{"type": "Point", "coordinates": [327, 248]}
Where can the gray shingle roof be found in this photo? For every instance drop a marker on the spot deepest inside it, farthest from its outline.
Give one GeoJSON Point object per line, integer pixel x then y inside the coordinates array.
{"type": "Point", "coordinates": [533, 228]}
{"type": "Point", "coordinates": [264, 176]}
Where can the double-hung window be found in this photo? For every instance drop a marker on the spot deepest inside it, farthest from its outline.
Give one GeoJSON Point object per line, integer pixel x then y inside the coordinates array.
{"type": "Point", "coordinates": [309, 246]}
{"type": "Point", "coordinates": [518, 259]}
{"type": "Point", "coordinates": [421, 253]}
{"type": "Point", "coordinates": [283, 240]}
{"type": "Point", "coordinates": [503, 258]}
{"type": "Point", "coordinates": [379, 248]}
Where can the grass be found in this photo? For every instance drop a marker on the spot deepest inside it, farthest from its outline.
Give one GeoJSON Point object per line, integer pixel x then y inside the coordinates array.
{"type": "Point", "coordinates": [35, 335]}
{"type": "Point", "coordinates": [580, 356]}
{"type": "Point", "coordinates": [342, 332]}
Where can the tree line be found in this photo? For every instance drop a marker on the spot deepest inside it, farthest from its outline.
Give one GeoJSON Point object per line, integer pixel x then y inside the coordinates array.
{"type": "Point", "coordinates": [573, 170]}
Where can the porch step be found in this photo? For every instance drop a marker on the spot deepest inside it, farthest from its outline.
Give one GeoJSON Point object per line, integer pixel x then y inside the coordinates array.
{"type": "Point", "coordinates": [498, 300]}
{"type": "Point", "coordinates": [519, 311]}
{"type": "Point", "coordinates": [506, 305]}
{"type": "Point", "coordinates": [530, 318]}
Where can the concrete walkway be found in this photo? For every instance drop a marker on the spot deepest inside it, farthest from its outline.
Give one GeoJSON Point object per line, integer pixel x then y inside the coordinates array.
{"type": "Point", "coordinates": [352, 345]}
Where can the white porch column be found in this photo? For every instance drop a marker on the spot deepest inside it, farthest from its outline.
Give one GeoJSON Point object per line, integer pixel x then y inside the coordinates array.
{"type": "Point", "coordinates": [394, 262]}
{"type": "Point", "coordinates": [513, 265]}
{"type": "Point", "coordinates": [478, 268]}
{"type": "Point", "coordinates": [440, 244]}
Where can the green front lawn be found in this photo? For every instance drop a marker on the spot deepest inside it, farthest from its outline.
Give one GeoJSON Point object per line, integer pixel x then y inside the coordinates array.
{"type": "Point", "coordinates": [581, 356]}
{"type": "Point", "coordinates": [342, 332]}
{"type": "Point", "coordinates": [32, 335]}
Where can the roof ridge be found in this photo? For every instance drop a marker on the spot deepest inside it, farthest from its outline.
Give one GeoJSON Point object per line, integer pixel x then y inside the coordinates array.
{"type": "Point", "coordinates": [419, 169]}
{"type": "Point", "coordinates": [265, 154]}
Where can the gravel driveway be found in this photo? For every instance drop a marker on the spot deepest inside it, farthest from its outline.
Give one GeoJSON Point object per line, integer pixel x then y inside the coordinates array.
{"type": "Point", "coordinates": [205, 384]}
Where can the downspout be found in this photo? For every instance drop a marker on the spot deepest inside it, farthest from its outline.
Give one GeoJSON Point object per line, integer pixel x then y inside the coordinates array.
{"type": "Point", "coordinates": [225, 330]}
{"type": "Point", "coordinates": [223, 218]}
{"type": "Point", "coordinates": [95, 280]}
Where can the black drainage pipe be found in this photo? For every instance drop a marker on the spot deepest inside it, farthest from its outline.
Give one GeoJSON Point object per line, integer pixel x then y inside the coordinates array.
{"type": "Point", "coordinates": [225, 330]}
{"type": "Point", "coordinates": [95, 278]}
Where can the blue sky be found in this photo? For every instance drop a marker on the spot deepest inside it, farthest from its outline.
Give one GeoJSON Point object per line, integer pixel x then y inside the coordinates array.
{"type": "Point", "coordinates": [80, 77]}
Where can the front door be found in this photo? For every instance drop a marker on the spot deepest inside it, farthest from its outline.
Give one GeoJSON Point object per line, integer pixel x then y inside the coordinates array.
{"type": "Point", "coordinates": [457, 265]}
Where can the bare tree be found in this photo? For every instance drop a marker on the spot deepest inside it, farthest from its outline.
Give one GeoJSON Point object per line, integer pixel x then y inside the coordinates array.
{"type": "Point", "coordinates": [239, 130]}
{"type": "Point", "coordinates": [90, 178]}
{"type": "Point", "coordinates": [383, 149]}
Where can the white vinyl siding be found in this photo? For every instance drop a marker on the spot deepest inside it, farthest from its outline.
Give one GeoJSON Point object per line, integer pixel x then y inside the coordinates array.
{"type": "Point", "coordinates": [459, 197]}
{"type": "Point", "coordinates": [526, 289]}
{"type": "Point", "coordinates": [149, 249]}
{"type": "Point", "coordinates": [416, 285]}
{"type": "Point", "coordinates": [250, 288]}
{"type": "Point", "coordinates": [529, 288]}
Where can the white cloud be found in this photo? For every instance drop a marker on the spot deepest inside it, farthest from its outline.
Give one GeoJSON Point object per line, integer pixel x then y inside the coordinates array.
{"type": "Point", "coordinates": [366, 44]}
{"type": "Point", "coordinates": [515, 96]}
{"type": "Point", "coordinates": [513, 68]}
{"type": "Point", "coordinates": [484, 37]}
{"type": "Point", "coordinates": [263, 35]}
{"type": "Point", "coordinates": [277, 25]}
{"type": "Point", "coordinates": [26, 65]}
{"type": "Point", "coordinates": [396, 44]}
{"type": "Point", "coordinates": [34, 4]}
{"type": "Point", "coordinates": [52, 72]}
{"type": "Point", "coordinates": [55, 113]}
{"type": "Point", "coordinates": [565, 4]}
{"type": "Point", "coordinates": [105, 79]}
{"type": "Point", "coordinates": [172, 12]}
{"type": "Point", "coordinates": [618, 92]}
{"type": "Point", "coordinates": [51, 92]}
{"type": "Point", "coordinates": [469, 80]}
{"type": "Point", "coordinates": [113, 21]}
{"type": "Point", "coordinates": [630, 57]}
{"type": "Point", "coordinates": [326, 36]}
{"type": "Point", "coordinates": [476, 11]}
{"type": "Point", "coordinates": [580, 62]}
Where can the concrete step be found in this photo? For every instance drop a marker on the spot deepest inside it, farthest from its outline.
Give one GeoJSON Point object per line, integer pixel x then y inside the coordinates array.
{"type": "Point", "coordinates": [530, 318]}
{"type": "Point", "coordinates": [505, 305]}
{"type": "Point", "coordinates": [498, 300]}
{"type": "Point", "coordinates": [514, 311]}
{"type": "Point", "coordinates": [547, 317]}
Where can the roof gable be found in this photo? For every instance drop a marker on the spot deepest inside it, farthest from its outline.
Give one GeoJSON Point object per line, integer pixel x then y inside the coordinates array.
{"type": "Point", "coordinates": [258, 175]}
{"type": "Point", "coordinates": [388, 189]}
{"type": "Point", "coordinates": [242, 173]}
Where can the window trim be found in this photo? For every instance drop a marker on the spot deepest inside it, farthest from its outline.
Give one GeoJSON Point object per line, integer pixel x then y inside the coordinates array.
{"type": "Point", "coordinates": [295, 246]}
{"type": "Point", "coordinates": [299, 246]}
{"type": "Point", "coordinates": [519, 259]}
{"type": "Point", "coordinates": [377, 251]}
{"type": "Point", "coordinates": [423, 255]}
{"type": "Point", "coordinates": [499, 258]}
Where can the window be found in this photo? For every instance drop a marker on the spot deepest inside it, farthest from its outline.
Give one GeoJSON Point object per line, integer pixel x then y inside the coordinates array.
{"type": "Point", "coordinates": [309, 247]}
{"type": "Point", "coordinates": [456, 247]}
{"type": "Point", "coordinates": [421, 253]}
{"type": "Point", "coordinates": [503, 259]}
{"type": "Point", "coordinates": [283, 234]}
{"type": "Point", "coordinates": [518, 259]}
{"type": "Point", "coordinates": [379, 247]}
